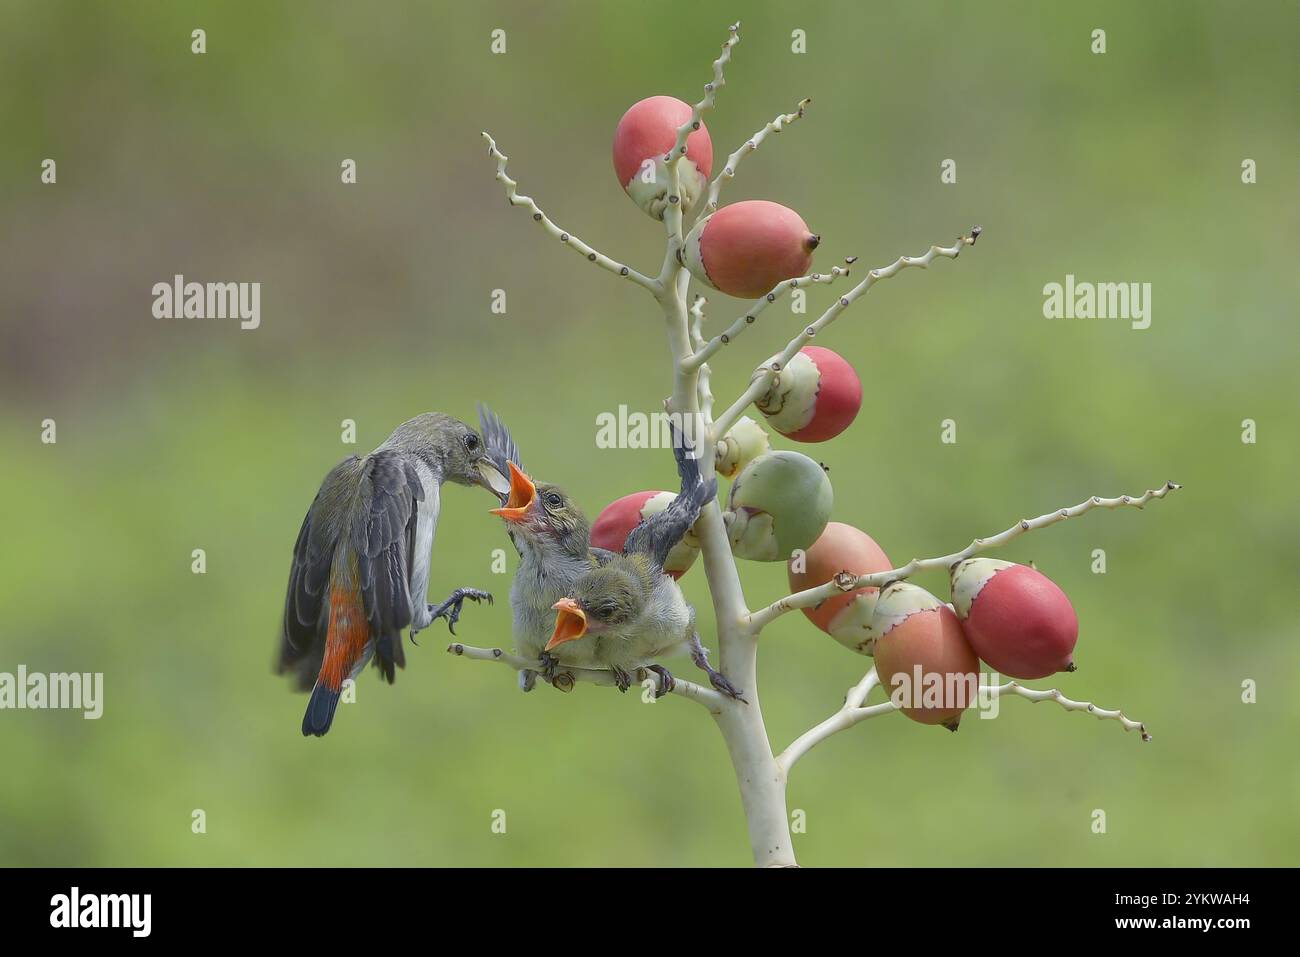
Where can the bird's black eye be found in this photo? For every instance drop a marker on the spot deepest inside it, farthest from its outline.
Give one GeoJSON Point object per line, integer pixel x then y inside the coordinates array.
{"type": "Point", "coordinates": [608, 611]}
{"type": "Point", "coordinates": [554, 500]}
{"type": "Point", "coordinates": [471, 442]}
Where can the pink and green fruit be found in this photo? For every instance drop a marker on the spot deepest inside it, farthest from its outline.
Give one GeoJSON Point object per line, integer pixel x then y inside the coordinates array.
{"type": "Point", "coordinates": [616, 521]}
{"type": "Point", "coordinates": [746, 249]}
{"type": "Point", "coordinates": [1015, 617]}
{"type": "Point", "coordinates": [644, 137]}
{"type": "Point", "coordinates": [814, 398]}
{"type": "Point", "coordinates": [781, 501]}
{"type": "Point", "coordinates": [923, 659]}
{"type": "Point", "coordinates": [845, 617]}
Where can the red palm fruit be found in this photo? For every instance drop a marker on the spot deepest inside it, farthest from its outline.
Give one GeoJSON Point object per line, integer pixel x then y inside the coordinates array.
{"type": "Point", "coordinates": [1015, 617]}
{"type": "Point", "coordinates": [616, 521]}
{"type": "Point", "coordinates": [845, 617]}
{"type": "Point", "coordinates": [644, 136]}
{"type": "Point", "coordinates": [745, 249]}
{"type": "Point", "coordinates": [814, 398]}
{"type": "Point", "coordinates": [925, 663]}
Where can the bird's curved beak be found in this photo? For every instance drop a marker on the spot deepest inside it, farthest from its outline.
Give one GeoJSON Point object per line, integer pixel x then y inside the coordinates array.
{"type": "Point", "coordinates": [522, 493]}
{"type": "Point", "coordinates": [570, 623]}
{"type": "Point", "coordinates": [491, 476]}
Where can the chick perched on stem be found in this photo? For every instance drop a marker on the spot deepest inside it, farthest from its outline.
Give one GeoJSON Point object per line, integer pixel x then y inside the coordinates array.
{"type": "Point", "coordinates": [628, 612]}
{"type": "Point", "coordinates": [553, 539]}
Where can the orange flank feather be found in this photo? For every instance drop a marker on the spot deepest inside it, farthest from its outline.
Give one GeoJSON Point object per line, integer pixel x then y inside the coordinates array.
{"type": "Point", "coordinates": [349, 631]}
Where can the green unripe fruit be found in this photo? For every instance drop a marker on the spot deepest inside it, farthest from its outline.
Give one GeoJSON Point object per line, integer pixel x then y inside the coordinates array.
{"type": "Point", "coordinates": [780, 502]}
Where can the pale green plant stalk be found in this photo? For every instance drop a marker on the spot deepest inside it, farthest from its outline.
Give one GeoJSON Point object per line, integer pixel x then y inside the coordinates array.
{"type": "Point", "coordinates": [761, 774]}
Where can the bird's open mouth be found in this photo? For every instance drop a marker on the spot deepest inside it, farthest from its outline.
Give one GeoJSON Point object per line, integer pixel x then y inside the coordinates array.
{"type": "Point", "coordinates": [570, 623]}
{"type": "Point", "coordinates": [522, 493]}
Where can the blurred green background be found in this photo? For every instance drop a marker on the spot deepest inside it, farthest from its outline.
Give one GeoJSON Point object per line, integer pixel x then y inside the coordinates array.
{"type": "Point", "coordinates": [176, 435]}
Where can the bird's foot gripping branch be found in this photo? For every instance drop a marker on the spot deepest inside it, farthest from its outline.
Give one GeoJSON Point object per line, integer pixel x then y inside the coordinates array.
{"type": "Point", "coordinates": [926, 651]}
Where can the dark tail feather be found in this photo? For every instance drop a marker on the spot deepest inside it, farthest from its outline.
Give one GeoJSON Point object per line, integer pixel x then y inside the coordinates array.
{"type": "Point", "coordinates": [694, 490]}
{"type": "Point", "coordinates": [657, 535]}
{"type": "Point", "coordinates": [389, 655]}
{"type": "Point", "coordinates": [320, 711]}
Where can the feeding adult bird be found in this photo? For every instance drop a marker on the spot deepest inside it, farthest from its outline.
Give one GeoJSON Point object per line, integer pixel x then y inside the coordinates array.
{"type": "Point", "coordinates": [629, 611]}
{"type": "Point", "coordinates": [360, 570]}
{"type": "Point", "coordinates": [553, 539]}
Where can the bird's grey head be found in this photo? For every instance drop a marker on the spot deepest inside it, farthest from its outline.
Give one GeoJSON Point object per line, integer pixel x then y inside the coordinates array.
{"type": "Point", "coordinates": [543, 515]}
{"type": "Point", "coordinates": [451, 448]}
{"type": "Point", "coordinates": [605, 599]}
{"type": "Point", "coordinates": [609, 596]}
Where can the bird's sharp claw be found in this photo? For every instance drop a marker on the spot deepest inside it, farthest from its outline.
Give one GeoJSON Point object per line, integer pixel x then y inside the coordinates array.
{"type": "Point", "coordinates": [667, 683]}
{"type": "Point", "coordinates": [722, 685]}
{"type": "Point", "coordinates": [450, 609]}
{"type": "Point", "coordinates": [549, 663]}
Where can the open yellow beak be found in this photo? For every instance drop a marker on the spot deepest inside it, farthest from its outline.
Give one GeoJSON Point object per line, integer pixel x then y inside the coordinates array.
{"type": "Point", "coordinates": [522, 493]}
{"type": "Point", "coordinates": [570, 623]}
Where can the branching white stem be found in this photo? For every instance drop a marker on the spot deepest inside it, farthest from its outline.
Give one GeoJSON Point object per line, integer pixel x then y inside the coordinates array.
{"type": "Point", "coordinates": [710, 95]}
{"type": "Point", "coordinates": [673, 213]}
{"type": "Point", "coordinates": [859, 692]}
{"type": "Point", "coordinates": [564, 236]}
{"type": "Point", "coordinates": [850, 714]}
{"type": "Point", "coordinates": [757, 388]}
{"type": "Point", "coordinates": [704, 352]}
{"type": "Point", "coordinates": [846, 582]}
{"type": "Point", "coordinates": [702, 387]}
{"type": "Point", "coordinates": [697, 320]}
{"type": "Point", "coordinates": [565, 677]}
{"type": "Point", "coordinates": [763, 381]}
{"type": "Point", "coordinates": [729, 170]}
{"type": "Point", "coordinates": [854, 711]}
{"type": "Point", "coordinates": [1069, 704]}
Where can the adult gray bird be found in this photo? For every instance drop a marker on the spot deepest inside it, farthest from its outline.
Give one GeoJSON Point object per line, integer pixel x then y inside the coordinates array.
{"type": "Point", "coordinates": [553, 539]}
{"type": "Point", "coordinates": [628, 611]}
{"type": "Point", "coordinates": [360, 571]}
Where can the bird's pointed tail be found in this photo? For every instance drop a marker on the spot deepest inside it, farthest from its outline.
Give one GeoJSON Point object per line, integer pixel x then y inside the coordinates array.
{"type": "Point", "coordinates": [320, 710]}
{"type": "Point", "coordinates": [347, 642]}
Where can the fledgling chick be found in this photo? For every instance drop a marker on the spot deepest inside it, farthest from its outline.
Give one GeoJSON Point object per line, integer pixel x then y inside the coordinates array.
{"type": "Point", "coordinates": [360, 570]}
{"type": "Point", "coordinates": [629, 609]}
{"type": "Point", "coordinates": [553, 539]}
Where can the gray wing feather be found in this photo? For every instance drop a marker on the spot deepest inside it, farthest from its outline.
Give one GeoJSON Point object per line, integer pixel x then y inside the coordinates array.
{"type": "Point", "coordinates": [498, 441]}
{"type": "Point", "coordinates": [383, 529]}
{"type": "Point", "coordinates": [368, 505]}
{"type": "Point", "coordinates": [306, 606]}
{"type": "Point", "coordinates": [657, 535]}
